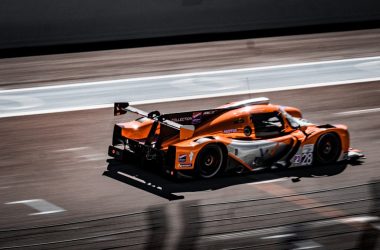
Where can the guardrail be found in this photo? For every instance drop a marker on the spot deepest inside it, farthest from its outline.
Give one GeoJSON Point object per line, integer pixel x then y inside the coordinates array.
{"type": "Point", "coordinates": [268, 223]}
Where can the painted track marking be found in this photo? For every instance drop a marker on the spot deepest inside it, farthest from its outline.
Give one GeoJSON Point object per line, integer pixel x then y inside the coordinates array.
{"type": "Point", "coordinates": [358, 112]}
{"type": "Point", "coordinates": [41, 205]}
{"type": "Point", "coordinates": [278, 236]}
{"type": "Point", "coordinates": [102, 94]}
{"type": "Point", "coordinates": [71, 149]}
{"type": "Point", "coordinates": [269, 181]}
{"type": "Point", "coordinates": [307, 244]}
{"type": "Point", "coordinates": [78, 153]}
{"type": "Point", "coordinates": [187, 98]}
{"type": "Point", "coordinates": [215, 72]}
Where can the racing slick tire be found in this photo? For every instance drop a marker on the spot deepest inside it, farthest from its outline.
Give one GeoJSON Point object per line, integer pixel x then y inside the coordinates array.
{"type": "Point", "coordinates": [210, 161]}
{"type": "Point", "coordinates": [327, 149]}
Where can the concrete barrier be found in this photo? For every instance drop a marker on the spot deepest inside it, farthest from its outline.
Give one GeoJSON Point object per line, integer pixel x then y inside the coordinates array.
{"type": "Point", "coordinates": [56, 22]}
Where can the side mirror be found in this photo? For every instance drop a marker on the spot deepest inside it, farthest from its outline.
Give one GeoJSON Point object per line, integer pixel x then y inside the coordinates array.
{"type": "Point", "coordinates": [303, 129]}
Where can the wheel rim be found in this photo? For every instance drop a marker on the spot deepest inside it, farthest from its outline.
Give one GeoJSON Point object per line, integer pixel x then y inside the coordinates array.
{"type": "Point", "coordinates": [328, 149]}
{"type": "Point", "coordinates": [210, 161]}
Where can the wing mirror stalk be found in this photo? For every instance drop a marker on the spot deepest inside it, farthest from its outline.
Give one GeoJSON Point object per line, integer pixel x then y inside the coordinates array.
{"type": "Point", "coordinates": [303, 130]}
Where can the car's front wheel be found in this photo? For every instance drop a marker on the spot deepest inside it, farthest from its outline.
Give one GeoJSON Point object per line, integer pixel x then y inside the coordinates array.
{"type": "Point", "coordinates": [327, 149]}
{"type": "Point", "coordinates": [209, 162]}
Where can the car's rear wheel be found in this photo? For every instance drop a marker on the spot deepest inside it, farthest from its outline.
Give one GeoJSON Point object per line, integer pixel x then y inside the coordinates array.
{"type": "Point", "coordinates": [327, 149]}
{"type": "Point", "coordinates": [209, 162]}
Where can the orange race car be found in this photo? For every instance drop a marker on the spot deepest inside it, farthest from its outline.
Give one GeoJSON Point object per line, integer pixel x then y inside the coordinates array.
{"type": "Point", "coordinates": [240, 136]}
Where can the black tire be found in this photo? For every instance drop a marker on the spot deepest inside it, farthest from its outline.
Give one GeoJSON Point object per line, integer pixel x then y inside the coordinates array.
{"type": "Point", "coordinates": [210, 161]}
{"type": "Point", "coordinates": [327, 149]}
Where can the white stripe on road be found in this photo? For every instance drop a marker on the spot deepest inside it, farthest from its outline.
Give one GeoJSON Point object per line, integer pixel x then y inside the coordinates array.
{"type": "Point", "coordinates": [269, 181]}
{"type": "Point", "coordinates": [228, 71]}
{"type": "Point", "coordinates": [92, 157]}
{"type": "Point", "coordinates": [84, 156]}
{"type": "Point", "coordinates": [71, 149]}
{"type": "Point", "coordinates": [278, 236]}
{"type": "Point", "coordinates": [187, 98]}
{"type": "Point", "coordinates": [43, 206]}
{"type": "Point", "coordinates": [359, 219]}
{"type": "Point", "coordinates": [48, 212]}
{"type": "Point", "coordinates": [358, 112]}
{"type": "Point", "coordinates": [306, 244]}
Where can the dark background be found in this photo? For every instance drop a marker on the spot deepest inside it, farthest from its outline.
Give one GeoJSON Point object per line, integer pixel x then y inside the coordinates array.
{"type": "Point", "coordinates": [36, 23]}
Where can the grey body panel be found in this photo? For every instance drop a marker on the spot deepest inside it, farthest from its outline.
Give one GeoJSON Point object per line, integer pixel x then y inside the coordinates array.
{"type": "Point", "coordinates": [259, 153]}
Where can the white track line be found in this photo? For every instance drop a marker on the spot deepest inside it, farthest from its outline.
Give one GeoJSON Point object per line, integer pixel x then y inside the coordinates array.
{"type": "Point", "coordinates": [70, 149]}
{"type": "Point", "coordinates": [306, 244]}
{"type": "Point", "coordinates": [269, 181]}
{"type": "Point", "coordinates": [187, 98]}
{"type": "Point", "coordinates": [43, 206]}
{"type": "Point", "coordinates": [228, 71]}
{"type": "Point", "coordinates": [358, 112]}
{"type": "Point", "coordinates": [277, 236]}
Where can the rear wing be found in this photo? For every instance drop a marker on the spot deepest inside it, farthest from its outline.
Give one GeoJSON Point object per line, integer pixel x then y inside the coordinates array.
{"type": "Point", "coordinates": [121, 108]}
{"type": "Point", "coordinates": [185, 122]}
{"type": "Point", "coordinates": [185, 131]}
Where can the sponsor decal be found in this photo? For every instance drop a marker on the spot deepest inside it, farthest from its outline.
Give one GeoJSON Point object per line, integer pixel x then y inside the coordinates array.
{"type": "Point", "coordinates": [229, 131]}
{"type": "Point", "coordinates": [239, 120]}
{"type": "Point", "coordinates": [185, 165]}
{"type": "Point", "coordinates": [308, 148]}
{"type": "Point", "coordinates": [210, 112]}
{"type": "Point", "coordinates": [297, 159]}
{"type": "Point", "coordinates": [197, 117]}
{"type": "Point", "coordinates": [182, 158]}
{"type": "Point", "coordinates": [181, 119]}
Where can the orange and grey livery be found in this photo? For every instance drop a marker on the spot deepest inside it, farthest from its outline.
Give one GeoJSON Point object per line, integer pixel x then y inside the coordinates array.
{"type": "Point", "coordinates": [239, 136]}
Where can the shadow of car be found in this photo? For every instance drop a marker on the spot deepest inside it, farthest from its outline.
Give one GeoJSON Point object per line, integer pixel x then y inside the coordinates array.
{"type": "Point", "coordinates": [147, 179]}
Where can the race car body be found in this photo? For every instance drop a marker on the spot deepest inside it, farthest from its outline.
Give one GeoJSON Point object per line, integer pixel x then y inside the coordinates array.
{"type": "Point", "coordinates": [240, 136]}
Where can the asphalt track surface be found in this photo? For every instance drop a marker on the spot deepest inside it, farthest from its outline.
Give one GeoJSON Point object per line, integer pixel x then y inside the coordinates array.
{"type": "Point", "coordinates": [57, 163]}
{"type": "Point", "coordinates": [61, 158]}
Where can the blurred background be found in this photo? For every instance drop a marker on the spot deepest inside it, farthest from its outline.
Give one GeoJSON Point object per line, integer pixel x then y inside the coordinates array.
{"type": "Point", "coordinates": [64, 63]}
